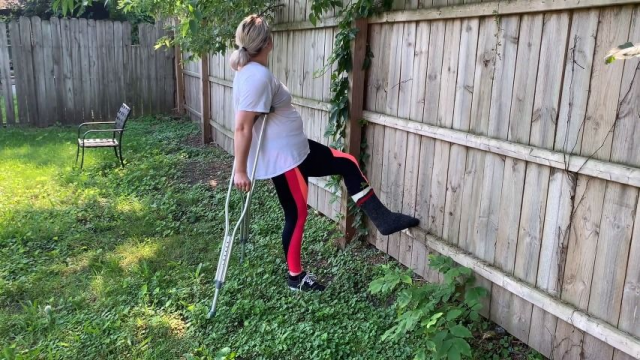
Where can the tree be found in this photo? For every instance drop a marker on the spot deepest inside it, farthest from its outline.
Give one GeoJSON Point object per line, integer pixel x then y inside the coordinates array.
{"type": "Point", "coordinates": [199, 26]}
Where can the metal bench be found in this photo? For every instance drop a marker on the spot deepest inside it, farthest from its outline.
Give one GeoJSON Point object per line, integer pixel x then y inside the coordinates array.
{"type": "Point", "coordinates": [114, 142]}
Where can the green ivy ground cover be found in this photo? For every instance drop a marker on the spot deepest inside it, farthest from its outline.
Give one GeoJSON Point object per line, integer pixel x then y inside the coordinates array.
{"type": "Point", "coordinates": [111, 263]}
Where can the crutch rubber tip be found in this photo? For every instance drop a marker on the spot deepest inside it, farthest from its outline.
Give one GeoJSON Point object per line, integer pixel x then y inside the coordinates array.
{"type": "Point", "coordinates": [211, 314]}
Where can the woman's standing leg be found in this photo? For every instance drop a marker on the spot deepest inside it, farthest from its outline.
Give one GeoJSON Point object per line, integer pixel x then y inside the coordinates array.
{"type": "Point", "coordinates": [292, 190]}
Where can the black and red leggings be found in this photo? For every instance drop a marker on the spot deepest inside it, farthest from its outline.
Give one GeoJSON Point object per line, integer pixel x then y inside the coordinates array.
{"type": "Point", "coordinates": [292, 189]}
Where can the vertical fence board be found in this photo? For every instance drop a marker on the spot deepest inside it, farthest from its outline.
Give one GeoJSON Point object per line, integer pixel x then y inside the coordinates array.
{"type": "Point", "coordinates": [127, 64]}
{"type": "Point", "coordinates": [486, 228]}
{"type": "Point", "coordinates": [76, 64]}
{"type": "Point", "coordinates": [597, 142]}
{"type": "Point", "coordinates": [480, 108]}
{"type": "Point", "coordinates": [393, 162]}
{"type": "Point", "coordinates": [625, 150]}
{"type": "Point", "coordinates": [503, 310]}
{"type": "Point", "coordinates": [153, 70]}
{"type": "Point", "coordinates": [170, 83]}
{"type": "Point", "coordinates": [5, 71]}
{"type": "Point", "coordinates": [461, 121]}
{"type": "Point", "coordinates": [445, 119]}
{"type": "Point", "coordinates": [407, 193]}
{"type": "Point", "coordinates": [118, 63]}
{"type": "Point", "coordinates": [111, 79]}
{"type": "Point", "coordinates": [17, 57]}
{"type": "Point", "coordinates": [85, 69]}
{"type": "Point", "coordinates": [573, 106]}
{"type": "Point", "coordinates": [543, 129]}
{"type": "Point", "coordinates": [58, 69]}
{"type": "Point", "coordinates": [102, 73]}
{"type": "Point", "coordinates": [92, 53]}
{"type": "Point", "coordinates": [142, 67]}
{"type": "Point", "coordinates": [49, 75]}
{"type": "Point", "coordinates": [67, 68]}
{"type": "Point", "coordinates": [30, 95]}
{"type": "Point", "coordinates": [160, 71]}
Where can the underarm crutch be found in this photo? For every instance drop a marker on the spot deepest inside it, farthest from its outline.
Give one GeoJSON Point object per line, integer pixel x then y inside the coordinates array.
{"type": "Point", "coordinates": [243, 224]}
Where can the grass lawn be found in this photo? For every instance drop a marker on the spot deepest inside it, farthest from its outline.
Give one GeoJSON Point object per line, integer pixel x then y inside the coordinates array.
{"type": "Point", "coordinates": [118, 263]}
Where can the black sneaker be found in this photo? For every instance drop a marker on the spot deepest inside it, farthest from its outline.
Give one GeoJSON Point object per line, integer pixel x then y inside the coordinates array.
{"type": "Point", "coordinates": [304, 282]}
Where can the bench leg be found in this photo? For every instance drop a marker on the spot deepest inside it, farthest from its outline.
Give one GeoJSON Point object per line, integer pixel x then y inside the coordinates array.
{"type": "Point", "coordinates": [121, 159]}
{"type": "Point", "coordinates": [82, 161]}
{"type": "Point", "coordinates": [77, 153]}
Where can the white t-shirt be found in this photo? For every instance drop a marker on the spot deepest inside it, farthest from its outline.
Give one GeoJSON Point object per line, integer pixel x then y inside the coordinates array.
{"type": "Point", "coordinates": [284, 144]}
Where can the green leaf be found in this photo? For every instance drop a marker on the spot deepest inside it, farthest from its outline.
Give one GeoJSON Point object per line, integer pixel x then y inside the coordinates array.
{"type": "Point", "coordinates": [453, 314]}
{"type": "Point", "coordinates": [193, 26]}
{"type": "Point", "coordinates": [460, 331]}
{"type": "Point", "coordinates": [421, 355]}
{"type": "Point", "coordinates": [474, 294]}
{"type": "Point", "coordinates": [313, 19]}
{"type": "Point", "coordinates": [406, 279]}
{"type": "Point", "coordinates": [376, 286]}
{"type": "Point", "coordinates": [439, 337]}
{"type": "Point", "coordinates": [453, 353]}
{"type": "Point", "coordinates": [474, 316]}
{"type": "Point", "coordinates": [443, 350]}
{"type": "Point", "coordinates": [462, 345]}
{"type": "Point", "coordinates": [432, 320]}
{"type": "Point", "coordinates": [404, 298]}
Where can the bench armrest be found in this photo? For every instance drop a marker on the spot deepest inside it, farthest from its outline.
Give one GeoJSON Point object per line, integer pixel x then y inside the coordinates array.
{"type": "Point", "coordinates": [93, 123]}
{"type": "Point", "coordinates": [101, 131]}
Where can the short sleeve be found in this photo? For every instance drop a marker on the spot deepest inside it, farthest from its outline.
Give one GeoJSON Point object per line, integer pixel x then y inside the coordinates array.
{"type": "Point", "coordinates": [256, 94]}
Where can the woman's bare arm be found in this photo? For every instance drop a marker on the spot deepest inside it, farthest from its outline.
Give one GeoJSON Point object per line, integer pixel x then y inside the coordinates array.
{"type": "Point", "coordinates": [242, 144]}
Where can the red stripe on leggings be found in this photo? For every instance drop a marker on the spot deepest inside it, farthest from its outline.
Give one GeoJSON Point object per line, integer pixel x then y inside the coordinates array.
{"type": "Point", "coordinates": [340, 154]}
{"type": "Point", "coordinates": [299, 195]}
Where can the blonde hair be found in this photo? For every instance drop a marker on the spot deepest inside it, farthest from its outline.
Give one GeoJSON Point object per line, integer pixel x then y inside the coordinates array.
{"type": "Point", "coordinates": [252, 36]}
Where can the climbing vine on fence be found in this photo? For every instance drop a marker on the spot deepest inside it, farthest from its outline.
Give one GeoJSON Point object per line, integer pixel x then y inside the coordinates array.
{"type": "Point", "coordinates": [341, 60]}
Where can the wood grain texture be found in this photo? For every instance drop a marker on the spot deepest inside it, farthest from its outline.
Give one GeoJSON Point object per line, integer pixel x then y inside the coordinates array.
{"type": "Point", "coordinates": [407, 193]}
{"type": "Point", "coordinates": [18, 71]}
{"type": "Point", "coordinates": [30, 94]}
{"type": "Point", "coordinates": [445, 119]}
{"type": "Point", "coordinates": [545, 110]}
{"type": "Point", "coordinates": [625, 150]}
{"type": "Point", "coordinates": [485, 228]}
{"type": "Point", "coordinates": [503, 310]}
{"type": "Point", "coordinates": [5, 73]}
{"type": "Point", "coordinates": [481, 104]}
{"type": "Point", "coordinates": [461, 122]}
{"type": "Point", "coordinates": [40, 83]}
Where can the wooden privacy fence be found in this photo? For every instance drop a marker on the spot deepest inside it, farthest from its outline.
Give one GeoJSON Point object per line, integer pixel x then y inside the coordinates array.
{"type": "Point", "coordinates": [69, 71]}
{"type": "Point", "coordinates": [499, 126]}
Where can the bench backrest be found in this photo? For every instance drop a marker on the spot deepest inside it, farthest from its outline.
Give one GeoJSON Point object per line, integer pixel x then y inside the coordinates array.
{"type": "Point", "coordinates": [123, 115]}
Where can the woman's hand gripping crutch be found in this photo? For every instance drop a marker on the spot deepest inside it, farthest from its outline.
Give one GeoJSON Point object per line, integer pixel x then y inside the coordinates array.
{"type": "Point", "coordinates": [242, 224]}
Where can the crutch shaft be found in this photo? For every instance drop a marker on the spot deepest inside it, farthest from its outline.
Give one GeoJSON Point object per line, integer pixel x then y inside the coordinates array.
{"type": "Point", "coordinates": [242, 224]}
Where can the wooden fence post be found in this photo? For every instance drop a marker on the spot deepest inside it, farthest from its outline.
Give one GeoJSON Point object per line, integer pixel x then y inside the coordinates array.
{"type": "Point", "coordinates": [206, 99]}
{"type": "Point", "coordinates": [180, 101]}
{"type": "Point", "coordinates": [356, 104]}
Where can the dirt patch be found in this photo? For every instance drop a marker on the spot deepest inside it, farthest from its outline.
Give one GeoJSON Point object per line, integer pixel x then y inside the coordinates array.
{"type": "Point", "coordinates": [194, 140]}
{"type": "Point", "coordinates": [212, 172]}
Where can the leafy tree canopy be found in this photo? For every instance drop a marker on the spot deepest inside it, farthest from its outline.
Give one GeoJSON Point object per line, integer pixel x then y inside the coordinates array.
{"type": "Point", "coordinates": [199, 26]}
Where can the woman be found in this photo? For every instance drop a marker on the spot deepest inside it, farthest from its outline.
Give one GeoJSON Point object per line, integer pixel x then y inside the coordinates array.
{"type": "Point", "coordinates": [287, 157]}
